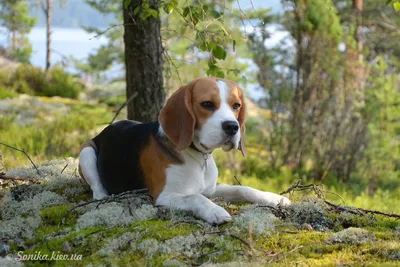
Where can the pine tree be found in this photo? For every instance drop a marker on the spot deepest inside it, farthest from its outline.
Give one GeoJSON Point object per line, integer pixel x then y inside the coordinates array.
{"type": "Point", "coordinates": [14, 17]}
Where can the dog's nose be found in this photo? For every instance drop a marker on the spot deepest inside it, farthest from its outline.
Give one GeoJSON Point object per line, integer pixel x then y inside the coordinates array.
{"type": "Point", "coordinates": [230, 127]}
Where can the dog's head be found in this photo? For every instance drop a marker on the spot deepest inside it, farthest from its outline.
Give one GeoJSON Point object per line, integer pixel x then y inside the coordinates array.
{"type": "Point", "coordinates": [210, 112]}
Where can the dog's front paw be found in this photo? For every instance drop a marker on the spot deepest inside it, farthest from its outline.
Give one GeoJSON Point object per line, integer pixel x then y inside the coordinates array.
{"type": "Point", "coordinates": [99, 193]}
{"type": "Point", "coordinates": [271, 199]}
{"type": "Point", "coordinates": [217, 215]}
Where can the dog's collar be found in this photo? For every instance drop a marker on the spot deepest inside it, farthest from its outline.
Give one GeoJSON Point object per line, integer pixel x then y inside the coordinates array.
{"type": "Point", "coordinates": [205, 156]}
{"type": "Point", "coordinates": [198, 150]}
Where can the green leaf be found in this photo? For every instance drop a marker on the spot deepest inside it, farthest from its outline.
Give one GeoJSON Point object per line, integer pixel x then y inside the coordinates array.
{"type": "Point", "coordinates": [211, 63]}
{"type": "Point", "coordinates": [207, 46]}
{"type": "Point", "coordinates": [220, 74]}
{"type": "Point", "coordinates": [153, 13]}
{"type": "Point", "coordinates": [215, 14]}
{"type": "Point", "coordinates": [127, 3]}
{"type": "Point", "coordinates": [171, 6]}
{"type": "Point", "coordinates": [388, 2]}
{"type": "Point", "coordinates": [145, 14]}
{"type": "Point", "coordinates": [136, 10]}
{"type": "Point", "coordinates": [396, 6]}
{"type": "Point", "coordinates": [219, 52]}
{"type": "Point", "coordinates": [236, 72]}
{"type": "Point", "coordinates": [186, 11]}
{"type": "Point", "coordinates": [203, 46]}
{"type": "Point", "coordinates": [211, 46]}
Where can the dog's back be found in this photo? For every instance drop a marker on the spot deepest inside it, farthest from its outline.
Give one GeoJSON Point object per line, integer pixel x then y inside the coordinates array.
{"type": "Point", "coordinates": [119, 146]}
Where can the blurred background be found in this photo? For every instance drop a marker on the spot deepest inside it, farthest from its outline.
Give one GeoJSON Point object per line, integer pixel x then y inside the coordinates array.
{"type": "Point", "coordinates": [321, 79]}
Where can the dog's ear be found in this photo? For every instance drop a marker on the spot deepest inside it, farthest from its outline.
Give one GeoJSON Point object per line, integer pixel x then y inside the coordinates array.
{"type": "Point", "coordinates": [177, 118]}
{"type": "Point", "coordinates": [242, 120]}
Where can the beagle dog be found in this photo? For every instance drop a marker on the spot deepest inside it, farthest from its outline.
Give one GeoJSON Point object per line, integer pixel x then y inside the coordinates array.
{"type": "Point", "coordinates": [172, 157]}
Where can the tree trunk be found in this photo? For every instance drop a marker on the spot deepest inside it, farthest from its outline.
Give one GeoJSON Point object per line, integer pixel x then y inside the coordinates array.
{"type": "Point", "coordinates": [144, 63]}
{"type": "Point", "coordinates": [48, 33]}
{"type": "Point", "coordinates": [14, 40]}
{"type": "Point", "coordinates": [357, 10]}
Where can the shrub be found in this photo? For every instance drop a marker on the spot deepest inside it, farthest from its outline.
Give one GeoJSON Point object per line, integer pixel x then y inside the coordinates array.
{"type": "Point", "coordinates": [27, 79]}
{"type": "Point", "coordinates": [6, 93]}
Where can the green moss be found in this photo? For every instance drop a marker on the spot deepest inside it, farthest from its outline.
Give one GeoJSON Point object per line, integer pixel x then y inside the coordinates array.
{"type": "Point", "coordinates": [163, 230]}
{"type": "Point", "coordinates": [53, 215]}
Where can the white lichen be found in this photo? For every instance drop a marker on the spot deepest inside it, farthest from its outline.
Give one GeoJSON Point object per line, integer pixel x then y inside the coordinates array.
{"type": "Point", "coordinates": [148, 246]}
{"type": "Point", "coordinates": [113, 214]}
{"type": "Point", "coordinates": [120, 243]}
{"type": "Point", "coordinates": [186, 245]}
{"type": "Point", "coordinates": [260, 220]}
{"type": "Point", "coordinates": [20, 227]}
{"type": "Point", "coordinates": [352, 236]}
{"type": "Point", "coordinates": [173, 263]}
{"type": "Point", "coordinates": [8, 262]}
{"type": "Point", "coordinates": [311, 213]}
{"type": "Point", "coordinates": [30, 206]}
{"type": "Point", "coordinates": [20, 218]}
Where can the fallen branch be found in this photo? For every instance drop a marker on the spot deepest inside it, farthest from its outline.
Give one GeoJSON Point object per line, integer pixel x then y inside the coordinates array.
{"type": "Point", "coordinates": [26, 154]}
{"type": "Point", "coordinates": [319, 192]}
{"type": "Point", "coordinates": [298, 187]}
{"type": "Point", "coordinates": [112, 198]}
{"type": "Point", "coordinates": [33, 180]}
{"type": "Point", "coordinates": [355, 209]}
{"type": "Point", "coordinates": [224, 233]}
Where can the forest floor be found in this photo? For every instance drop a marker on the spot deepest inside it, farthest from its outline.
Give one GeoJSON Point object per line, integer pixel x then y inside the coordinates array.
{"type": "Point", "coordinates": [51, 213]}
{"type": "Point", "coordinates": [48, 212]}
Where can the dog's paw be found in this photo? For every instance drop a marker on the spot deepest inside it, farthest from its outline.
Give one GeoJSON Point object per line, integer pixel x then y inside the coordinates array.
{"type": "Point", "coordinates": [217, 215]}
{"type": "Point", "coordinates": [273, 200]}
{"type": "Point", "coordinates": [99, 193]}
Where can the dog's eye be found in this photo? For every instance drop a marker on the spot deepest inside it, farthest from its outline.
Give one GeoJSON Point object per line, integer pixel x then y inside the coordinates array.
{"type": "Point", "coordinates": [236, 106]}
{"type": "Point", "coordinates": [207, 105]}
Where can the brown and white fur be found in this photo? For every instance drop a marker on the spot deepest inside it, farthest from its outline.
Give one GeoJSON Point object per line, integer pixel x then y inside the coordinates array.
{"type": "Point", "coordinates": [172, 157]}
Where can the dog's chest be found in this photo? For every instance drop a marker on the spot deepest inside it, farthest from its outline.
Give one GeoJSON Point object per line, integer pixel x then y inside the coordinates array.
{"type": "Point", "coordinates": [196, 175]}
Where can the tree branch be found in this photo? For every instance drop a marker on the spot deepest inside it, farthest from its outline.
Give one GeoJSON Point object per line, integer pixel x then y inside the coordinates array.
{"type": "Point", "coordinates": [26, 154]}
{"type": "Point", "coordinates": [123, 105]}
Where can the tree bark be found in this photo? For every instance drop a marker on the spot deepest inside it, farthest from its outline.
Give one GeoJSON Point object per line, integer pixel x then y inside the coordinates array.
{"type": "Point", "coordinates": [357, 10]}
{"type": "Point", "coordinates": [143, 62]}
{"type": "Point", "coordinates": [48, 10]}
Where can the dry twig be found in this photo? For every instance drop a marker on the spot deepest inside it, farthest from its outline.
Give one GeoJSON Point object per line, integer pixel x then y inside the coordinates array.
{"type": "Point", "coordinates": [319, 192]}
{"type": "Point", "coordinates": [26, 154]}
{"type": "Point", "coordinates": [133, 96]}
{"type": "Point", "coordinates": [112, 198]}
{"type": "Point", "coordinates": [11, 178]}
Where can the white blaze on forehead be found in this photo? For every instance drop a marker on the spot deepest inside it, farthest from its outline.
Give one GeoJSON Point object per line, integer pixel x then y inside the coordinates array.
{"type": "Point", "coordinates": [224, 112]}
{"type": "Point", "coordinates": [223, 92]}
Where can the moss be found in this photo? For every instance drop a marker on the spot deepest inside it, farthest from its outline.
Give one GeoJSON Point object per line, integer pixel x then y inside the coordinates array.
{"type": "Point", "coordinates": [53, 215]}
{"type": "Point", "coordinates": [174, 238]}
{"type": "Point", "coordinates": [163, 230]}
